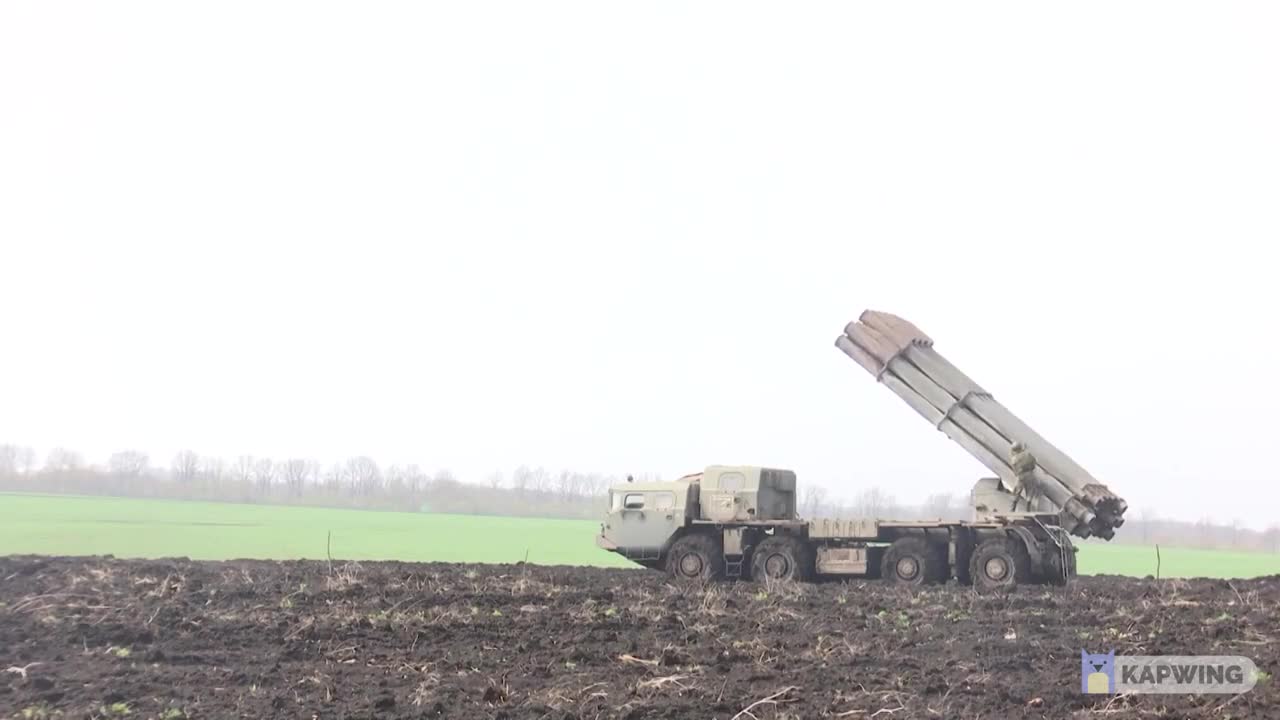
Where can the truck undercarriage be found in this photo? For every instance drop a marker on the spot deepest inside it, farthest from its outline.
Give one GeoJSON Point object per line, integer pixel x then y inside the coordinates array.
{"type": "Point", "coordinates": [989, 555]}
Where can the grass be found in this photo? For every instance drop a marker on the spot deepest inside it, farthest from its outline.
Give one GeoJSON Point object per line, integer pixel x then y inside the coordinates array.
{"type": "Point", "coordinates": [126, 527]}
{"type": "Point", "coordinates": [1140, 560]}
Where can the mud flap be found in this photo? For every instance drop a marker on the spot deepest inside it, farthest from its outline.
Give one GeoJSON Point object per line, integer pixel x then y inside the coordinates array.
{"type": "Point", "coordinates": [959, 550]}
{"type": "Point", "coordinates": [1060, 563]}
{"type": "Point", "coordinates": [1035, 548]}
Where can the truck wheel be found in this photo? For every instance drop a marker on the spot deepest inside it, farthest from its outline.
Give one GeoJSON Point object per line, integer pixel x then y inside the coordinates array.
{"type": "Point", "coordinates": [695, 557]}
{"type": "Point", "coordinates": [913, 561]}
{"type": "Point", "coordinates": [999, 564]}
{"type": "Point", "coordinates": [781, 557]}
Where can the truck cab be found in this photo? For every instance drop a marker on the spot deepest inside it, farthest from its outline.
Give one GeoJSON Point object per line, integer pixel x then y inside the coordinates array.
{"type": "Point", "coordinates": [643, 517]}
{"type": "Point", "coordinates": [644, 520]}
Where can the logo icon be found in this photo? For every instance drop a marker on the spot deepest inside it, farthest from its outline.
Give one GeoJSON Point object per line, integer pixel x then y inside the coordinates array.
{"type": "Point", "coordinates": [1097, 672]}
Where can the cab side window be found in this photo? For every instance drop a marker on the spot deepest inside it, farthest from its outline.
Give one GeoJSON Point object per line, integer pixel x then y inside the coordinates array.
{"type": "Point", "coordinates": [633, 501]}
{"type": "Point", "coordinates": [664, 501]}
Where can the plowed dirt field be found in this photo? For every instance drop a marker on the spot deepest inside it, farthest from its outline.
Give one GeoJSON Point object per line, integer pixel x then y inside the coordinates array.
{"type": "Point", "coordinates": [106, 638]}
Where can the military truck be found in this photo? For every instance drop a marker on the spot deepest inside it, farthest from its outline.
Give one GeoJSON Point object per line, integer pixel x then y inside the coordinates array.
{"type": "Point", "coordinates": [729, 522]}
{"type": "Point", "coordinates": [740, 522]}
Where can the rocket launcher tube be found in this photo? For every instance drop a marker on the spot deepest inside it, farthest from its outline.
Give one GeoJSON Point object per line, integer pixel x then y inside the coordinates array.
{"type": "Point", "coordinates": [995, 413]}
{"type": "Point", "coordinates": [1053, 460]}
{"type": "Point", "coordinates": [918, 348]}
{"type": "Point", "coordinates": [950, 412]}
{"type": "Point", "coordinates": [1077, 516]}
{"type": "Point", "coordinates": [932, 414]}
{"type": "Point", "coordinates": [901, 357]}
{"type": "Point", "coordinates": [964, 411]}
{"type": "Point", "coordinates": [949, 407]}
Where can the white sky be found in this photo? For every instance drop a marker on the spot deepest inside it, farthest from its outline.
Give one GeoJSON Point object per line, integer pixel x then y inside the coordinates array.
{"type": "Point", "coordinates": [624, 236]}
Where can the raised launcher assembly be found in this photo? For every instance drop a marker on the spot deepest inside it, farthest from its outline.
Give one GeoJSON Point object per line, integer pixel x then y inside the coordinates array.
{"type": "Point", "coordinates": [1033, 474]}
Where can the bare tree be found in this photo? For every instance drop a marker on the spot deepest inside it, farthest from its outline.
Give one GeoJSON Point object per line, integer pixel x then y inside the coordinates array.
{"type": "Point", "coordinates": [264, 475]}
{"type": "Point", "coordinates": [541, 480]}
{"type": "Point", "coordinates": [444, 479]}
{"type": "Point", "coordinates": [242, 470]}
{"type": "Point", "coordinates": [600, 484]}
{"type": "Point", "coordinates": [1204, 530]}
{"type": "Point", "coordinates": [495, 479]}
{"type": "Point", "coordinates": [873, 503]}
{"type": "Point", "coordinates": [127, 463]}
{"type": "Point", "coordinates": [335, 477]}
{"type": "Point", "coordinates": [813, 498]}
{"type": "Point", "coordinates": [186, 465]}
{"type": "Point", "coordinates": [61, 460]}
{"type": "Point", "coordinates": [297, 473]}
{"type": "Point", "coordinates": [414, 478]}
{"type": "Point", "coordinates": [25, 462]}
{"type": "Point", "coordinates": [393, 480]}
{"type": "Point", "coordinates": [8, 460]}
{"type": "Point", "coordinates": [311, 476]}
{"type": "Point", "coordinates": [522, 479]}
{"type": "Point", "coordinates": [363, 475]}
{"type": "Point", "coordinates": [1272, 538]}
{"type": "Point", "coordinates": [942, 505]}
{"type": "Point", "coordinates": [567, 484]}
{"type": "Point", "coordinates": [212, 469]}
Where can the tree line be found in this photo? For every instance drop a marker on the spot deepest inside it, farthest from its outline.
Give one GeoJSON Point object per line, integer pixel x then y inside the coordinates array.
{"type": "Point", "coordinates": [358, 482]}
{"type": "Point", "coordinates": [361, 482]}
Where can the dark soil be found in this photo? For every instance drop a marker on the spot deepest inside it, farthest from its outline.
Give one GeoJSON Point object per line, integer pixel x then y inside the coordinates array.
{"type": "Point", "coordinates": [169, 639]}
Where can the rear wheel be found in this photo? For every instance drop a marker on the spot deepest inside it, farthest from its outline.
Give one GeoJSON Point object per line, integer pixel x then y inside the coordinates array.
{"type": "Point", "coordinates": [913, 561]}
{"type": "Point", "coordinates": [781, 557]}
{"type": "Point", "coordinates": [695, 557]}
{"type": "Point", "coordinates": [1000, 564]}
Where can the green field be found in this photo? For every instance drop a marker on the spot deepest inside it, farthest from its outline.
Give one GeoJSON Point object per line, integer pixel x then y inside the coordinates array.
{"type": "Point", "coordinates": [67, 525]}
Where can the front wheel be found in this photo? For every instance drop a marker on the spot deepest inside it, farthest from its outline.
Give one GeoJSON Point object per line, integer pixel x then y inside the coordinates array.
{"type": "Point", "coordinates": [781, 557]}
{"type": "Point", "coordinates": [695, 557]}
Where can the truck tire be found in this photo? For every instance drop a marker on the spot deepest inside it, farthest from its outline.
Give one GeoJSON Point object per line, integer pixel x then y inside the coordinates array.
{"type": "Point", "coordinates": [781, 558]}
{"type": "Point", "coordinates": [913, 561]}
{"type": "Point", "coordinates": [1000, 564]}
{"type": "Point", "coordinates": [695, 557]}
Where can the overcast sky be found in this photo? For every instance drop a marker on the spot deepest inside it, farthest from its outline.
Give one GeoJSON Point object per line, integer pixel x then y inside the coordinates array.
{"type": "Point", "coordinates": [622, 237]}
